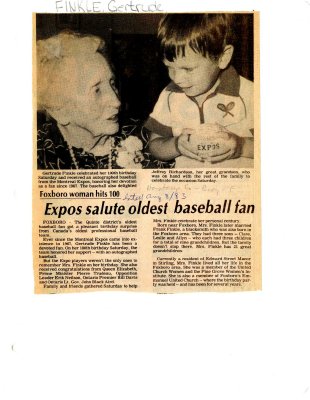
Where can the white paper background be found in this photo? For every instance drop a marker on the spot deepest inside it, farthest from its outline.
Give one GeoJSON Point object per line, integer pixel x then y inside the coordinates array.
{"type": "Point", "coordinates": [142, 346]}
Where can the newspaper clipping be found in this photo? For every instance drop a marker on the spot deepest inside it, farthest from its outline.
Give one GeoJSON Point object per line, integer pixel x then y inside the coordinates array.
{"type": "Point", "coordinates": [146, 168]}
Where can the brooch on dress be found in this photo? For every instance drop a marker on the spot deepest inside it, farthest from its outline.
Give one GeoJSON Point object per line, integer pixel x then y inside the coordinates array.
{"type": "Point", "coordinates": [129, 153]}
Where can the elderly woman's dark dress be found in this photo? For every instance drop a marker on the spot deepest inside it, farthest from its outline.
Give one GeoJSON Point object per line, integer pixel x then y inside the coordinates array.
{"type": "Point", "coordinates": [53, 151]}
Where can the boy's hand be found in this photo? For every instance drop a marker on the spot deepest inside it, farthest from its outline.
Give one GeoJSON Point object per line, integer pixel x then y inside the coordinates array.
{"type": "Point", "coordinates": [186, 148]}
{"type": "Point", "coordinates": [214, 143]}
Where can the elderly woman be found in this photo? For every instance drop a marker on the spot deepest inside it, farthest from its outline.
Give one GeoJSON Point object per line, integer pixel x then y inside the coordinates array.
{"type": "Point", "coordinates": [76, 91]}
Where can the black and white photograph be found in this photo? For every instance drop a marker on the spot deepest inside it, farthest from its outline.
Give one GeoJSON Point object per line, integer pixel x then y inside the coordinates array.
{"type": "Point", "coordinates": [145, 91]}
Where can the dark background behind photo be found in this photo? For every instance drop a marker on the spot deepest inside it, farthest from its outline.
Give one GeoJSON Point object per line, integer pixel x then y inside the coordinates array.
{"type": "Point", "coordinates": [132, 44]}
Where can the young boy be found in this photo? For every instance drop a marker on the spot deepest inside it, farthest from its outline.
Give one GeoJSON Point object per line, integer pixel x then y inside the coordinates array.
{"type": "Point", "coordinates": [205, 115]}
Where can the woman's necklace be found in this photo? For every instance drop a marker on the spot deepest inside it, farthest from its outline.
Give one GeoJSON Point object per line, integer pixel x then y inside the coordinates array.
{"type": "Point", "coordinates": [111, 152]}
{"type": "Point", "coordinates": [73, 158]}
{"type": "Point", "coordinates": [98, 147]}
{"type": "Point", "coordinates": [110, 156]}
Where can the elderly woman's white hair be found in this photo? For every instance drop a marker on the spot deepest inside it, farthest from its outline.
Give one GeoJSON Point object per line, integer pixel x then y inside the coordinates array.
{"type": "Point", "coordinates": [56, 69]}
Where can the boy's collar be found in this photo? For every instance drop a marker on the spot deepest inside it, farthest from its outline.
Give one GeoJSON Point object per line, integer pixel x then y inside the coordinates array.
{"type": "Point", "coordinates": [229, 83]}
